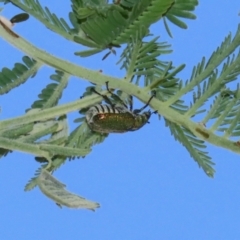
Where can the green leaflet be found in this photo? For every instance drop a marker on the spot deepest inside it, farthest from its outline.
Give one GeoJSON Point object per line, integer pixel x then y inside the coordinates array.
{"type": "Point", "coordinates": [110, 24]}
{"type": "Point", "coordinates": [225, 111]}
{"type": "Point", "coordinates": [143, 14]}
{"type": "Point", "coordinates": [53, 92]}
{"type": "Point", "coordinates": [44, 15]}
{"type": "Point", "coordinates": [55, 190]}
{"type": "Point", "coordinates": [180, 9]}
{"type": "Point", "coordinates": [20, 73]}
{"type": "Point", "coordinates": [141, 59]}
{"type": "Point", "coordinates": [194, 147]}
{"type": "Point", "coordinates": [80, 138]}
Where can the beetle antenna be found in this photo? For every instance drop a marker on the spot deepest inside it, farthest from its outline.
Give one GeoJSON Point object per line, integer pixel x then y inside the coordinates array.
{"type": "Point", "coordinates": [136, 111]}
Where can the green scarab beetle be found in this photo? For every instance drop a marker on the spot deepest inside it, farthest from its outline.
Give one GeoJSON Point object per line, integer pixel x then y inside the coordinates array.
{"type": "Point", "coordinates": [116, 118]}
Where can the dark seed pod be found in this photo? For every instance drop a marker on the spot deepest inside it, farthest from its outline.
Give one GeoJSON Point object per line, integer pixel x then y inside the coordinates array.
{"type": "Point", "coordinates": [19, 18]}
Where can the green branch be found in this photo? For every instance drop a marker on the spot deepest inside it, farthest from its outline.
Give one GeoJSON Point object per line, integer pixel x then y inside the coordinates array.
{"type": "Point", "coordinates": [50, 112]}
{"type": "Point", "coordinates": [219, 58]}
{"type": "Point", "coordinates": [23, 147]}
{"type": "Point", "coordinates": [100, 79]}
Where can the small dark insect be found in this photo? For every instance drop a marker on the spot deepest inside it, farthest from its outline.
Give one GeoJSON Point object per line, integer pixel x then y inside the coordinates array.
{"type": "Point", "coordinates": [19, 18]}
{"type": "Point", "coordinates": [116, 118]}
{"type": "Point", "coordinates": [8, 24]}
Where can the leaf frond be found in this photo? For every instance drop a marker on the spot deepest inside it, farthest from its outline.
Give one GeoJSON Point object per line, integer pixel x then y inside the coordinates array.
{"type": "Point", "coordinates": [111, 25]}
{"type": "Point", "coordinates": [205, 75]}
{"type": "Point", "coordinates": [214, 83]}
{"type": "Point", "coordinates": [51, 94]}
{"type": "Point", "coordinates": [140, 58]}
{"type": "Point", "coordinates": [143, 14]}
{"type": "Point", "coordinates": [32, 183]}
{"type": "Point", "coordinates": [80, 138]}
{"type": "Point", "coordinates": [44, 15]}
{"type": "Point", "coordinates": [56, 191]}
{"type": "Point", "coordinates": [20, 73]}
{"type": "Point", "coordinates": [193, 145]}
{"type": "Point", "coordinates": [180, 9]}
{"type": "Point", "coordinates": [225, 112]}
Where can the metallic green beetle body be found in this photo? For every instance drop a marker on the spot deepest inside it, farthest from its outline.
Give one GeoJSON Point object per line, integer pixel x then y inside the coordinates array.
{"type": "Point", "coordinates": [118, 119]}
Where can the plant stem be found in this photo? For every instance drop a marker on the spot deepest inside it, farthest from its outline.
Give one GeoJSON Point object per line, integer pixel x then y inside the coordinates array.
{"type": "Point", "coordinates": [100, 79]}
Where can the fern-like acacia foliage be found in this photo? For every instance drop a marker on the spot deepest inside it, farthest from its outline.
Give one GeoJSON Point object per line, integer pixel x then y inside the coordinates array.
{"type": "Point", "coordinates": [97, 24]}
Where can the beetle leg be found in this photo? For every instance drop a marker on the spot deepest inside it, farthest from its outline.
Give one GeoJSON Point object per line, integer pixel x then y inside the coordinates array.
{"type": "Point", "coordinates": [116, 96]}
{"type": "Point", "coordinates": [136, 111]}
{"type": "Point", "coordinates": [105, 97]}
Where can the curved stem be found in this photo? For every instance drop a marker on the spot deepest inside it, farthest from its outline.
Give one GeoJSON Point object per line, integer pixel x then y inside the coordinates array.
{"type": "Point", "coordinates": [100, 79]}
{"type": "Point", "coordinates": [50, 112]}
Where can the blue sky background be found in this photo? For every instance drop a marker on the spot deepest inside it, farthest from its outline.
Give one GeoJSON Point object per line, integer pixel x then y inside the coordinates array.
{"type": "Point", "coordinates": [146, 182]}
